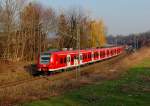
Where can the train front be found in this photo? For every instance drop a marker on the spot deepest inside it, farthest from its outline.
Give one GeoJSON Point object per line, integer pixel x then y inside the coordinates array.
{"type": "Point", "coordinates": [44, 62]}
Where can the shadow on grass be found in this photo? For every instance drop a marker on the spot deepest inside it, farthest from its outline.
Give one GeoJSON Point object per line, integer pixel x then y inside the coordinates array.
{"type": "Point", "coordinates": [32, 70]}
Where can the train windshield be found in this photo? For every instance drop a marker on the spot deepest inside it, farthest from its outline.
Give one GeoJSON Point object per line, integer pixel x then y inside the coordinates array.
{"type": "Point", "coordinates": [45, 58]}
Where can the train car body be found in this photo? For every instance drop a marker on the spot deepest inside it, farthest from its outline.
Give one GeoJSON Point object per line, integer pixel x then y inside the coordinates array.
{"type": "Point", "coordinates": [52, 61]}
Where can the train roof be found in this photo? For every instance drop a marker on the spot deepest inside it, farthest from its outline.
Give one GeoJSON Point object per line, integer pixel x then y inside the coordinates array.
{"type": "Point", "coordinates": [57, 51]}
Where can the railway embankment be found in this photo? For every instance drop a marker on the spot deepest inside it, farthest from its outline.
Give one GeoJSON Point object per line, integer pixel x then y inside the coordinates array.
{"type": "Point", "coordinates": [45, 87]}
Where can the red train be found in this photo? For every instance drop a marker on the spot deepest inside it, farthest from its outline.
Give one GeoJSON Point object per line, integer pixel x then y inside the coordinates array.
{"type": "Point", "coordinates": [52, 61]}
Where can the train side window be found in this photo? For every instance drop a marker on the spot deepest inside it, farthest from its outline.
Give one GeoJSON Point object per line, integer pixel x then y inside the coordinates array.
{"type": "Point", "coordinates": [61, 61]}
{"type": "Point", "coordinates": [111, 52]}
{"type": "Point", "coordinates": [86, 56]}
{"type": "Point", "coordinates": [72, 59]}
{"type": "Point", "coordinates": [107, 52]}
{"type": "Point", "coordinates": [103, 54]}
{"type": "Point", "coordinates": [64, 60]}
{"type": "Point", "coordinates": [97, 54]}
{"type": "Point", "coordinates": [89, 56]}
{"type": "Point", "coordinates": [75, 57]}
{"type": "Point", "coordinates": [94, 55]}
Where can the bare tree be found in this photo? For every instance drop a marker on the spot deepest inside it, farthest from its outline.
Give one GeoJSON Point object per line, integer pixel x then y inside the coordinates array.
{"type": "Point", "coordinates": [62, 30]}
{"type": "Point", "coordinates": [9, 24]}
{"type": "Point", "coordinates": [49, 23]}
{"type": "Point", "coordinates": [37, 27]}
{"type": "Point", "coordinates": [75, 19]}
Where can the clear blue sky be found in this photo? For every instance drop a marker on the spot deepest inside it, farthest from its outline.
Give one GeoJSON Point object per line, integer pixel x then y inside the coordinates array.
{"type": "Point", "coordinates": [120, 16]}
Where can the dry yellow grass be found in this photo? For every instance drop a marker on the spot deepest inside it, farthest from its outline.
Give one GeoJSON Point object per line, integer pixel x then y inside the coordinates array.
{"type": "Point", "coordinates": [12, 77]}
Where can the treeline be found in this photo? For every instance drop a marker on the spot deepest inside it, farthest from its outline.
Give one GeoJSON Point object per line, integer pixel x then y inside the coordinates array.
{"type": "Point", "coordinates": [136, 40]}
{"type": "Point", "coordinates": [25, 30]}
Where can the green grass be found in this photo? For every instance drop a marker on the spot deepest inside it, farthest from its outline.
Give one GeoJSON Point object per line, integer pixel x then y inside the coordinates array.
{"type": "Point", "coordinates": [132, 89]}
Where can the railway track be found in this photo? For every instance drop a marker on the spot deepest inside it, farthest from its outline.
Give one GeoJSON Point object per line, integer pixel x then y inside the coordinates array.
{"type": "Point", "coordinates": [11, 84]}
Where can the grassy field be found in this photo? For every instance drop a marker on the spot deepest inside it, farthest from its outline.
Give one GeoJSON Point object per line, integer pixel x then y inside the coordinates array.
{"type": "Point", "coordinates": [132, 89]}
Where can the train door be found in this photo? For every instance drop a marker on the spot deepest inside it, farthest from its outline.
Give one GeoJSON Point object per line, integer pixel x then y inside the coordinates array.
{"type": "Point", "coordinates": [99, 54]}
{"type": "Point", "coordinates": [81, 58]}
{"type": "Point", "coordinates": [68, 60]}
{"type": "Point", "coordinates": [92, 56]}
{"type": "Point", "coordinates": [75, 61]}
